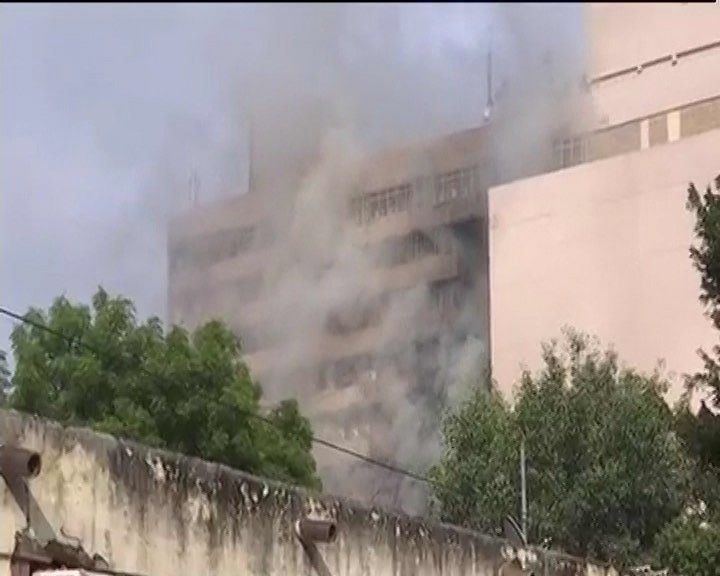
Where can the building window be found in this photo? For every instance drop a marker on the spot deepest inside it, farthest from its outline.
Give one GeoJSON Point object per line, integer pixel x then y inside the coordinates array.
{"type": "Point", "coordinates": [375, 205]}
{"type": "Point", "coordinates": [453, 185]}
{"type": "Point", "coordinates": [447, 296]}
{"type": "Point", "coordinates": [404, 249]}
{"type": "Point", "coordinates": [571, 152]}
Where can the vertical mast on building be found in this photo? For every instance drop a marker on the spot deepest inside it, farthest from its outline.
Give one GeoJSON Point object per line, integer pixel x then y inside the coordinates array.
{"type": "Point", "coordinates": [490, 103]}
{"type": "Point", "coordinates": [249, 153]}
{"type": "Point", "coordinates": [194, 187]}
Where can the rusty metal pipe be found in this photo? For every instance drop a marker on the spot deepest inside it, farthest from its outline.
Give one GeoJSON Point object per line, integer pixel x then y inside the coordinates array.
{"type": "Point", "coordinates": [320, 531]}
{"type": "Point", "coordinates": [19, 462]}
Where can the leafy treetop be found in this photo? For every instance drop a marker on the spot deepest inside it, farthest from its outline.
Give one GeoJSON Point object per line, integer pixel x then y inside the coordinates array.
{"type": "Point", "coordinates": [605, 471]}
{"type": "Point", "coordinates": [191, 393]}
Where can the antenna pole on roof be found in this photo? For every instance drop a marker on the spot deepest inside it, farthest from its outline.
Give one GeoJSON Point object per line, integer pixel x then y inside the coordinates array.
{"type": "Point", "coordinates": [523, 490]}
{"type": "Point", "coordinates": [250, 154]}
{"type": "Point", "coordinates": [489, 104]}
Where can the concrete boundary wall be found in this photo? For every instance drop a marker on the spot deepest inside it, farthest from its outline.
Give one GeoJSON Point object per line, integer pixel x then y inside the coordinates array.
{"type": "Point", "coordinates": [144, 511]}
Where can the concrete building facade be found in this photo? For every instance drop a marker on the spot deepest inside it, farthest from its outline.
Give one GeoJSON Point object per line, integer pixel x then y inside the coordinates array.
{"type": "Point", "coordinates": [417, 225]}
{"type": "Point", "coordinates": [602, 244]}
{"type": "Point", "coordinates": [598, 242]}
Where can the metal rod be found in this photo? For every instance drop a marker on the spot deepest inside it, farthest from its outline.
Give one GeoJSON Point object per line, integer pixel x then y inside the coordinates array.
{"type": "Point", "coordinates": [523, 490]}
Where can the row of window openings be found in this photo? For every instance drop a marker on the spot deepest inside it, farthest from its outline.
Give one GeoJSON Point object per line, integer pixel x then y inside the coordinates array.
{"type": "Point", "coordinates": [450, 186]}
{"type": "Point", "coordinates": [227, 244]}
{"type": "Point", "coordinates": [571, 152]}
{"type": "Point", "coordinates": [376, 205]}
{"type": "Point", "coordinates": [447, 188]}
{"type": "Point", "coordinates": [347, 371]}
{"type": "Point", "coordinates": [576, 150]}
{"type": "Point", "coordinates": [446, 298]}
{"type": "Point", "coordinates": [414, 246]}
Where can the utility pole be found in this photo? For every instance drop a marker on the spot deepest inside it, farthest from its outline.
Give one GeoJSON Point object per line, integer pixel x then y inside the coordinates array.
{"type": "Point", "coordinates": [523, 490]}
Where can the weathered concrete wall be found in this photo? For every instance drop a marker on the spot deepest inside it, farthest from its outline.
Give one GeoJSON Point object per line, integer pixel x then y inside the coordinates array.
{"type": "Point", "coordinates": [155, 513]}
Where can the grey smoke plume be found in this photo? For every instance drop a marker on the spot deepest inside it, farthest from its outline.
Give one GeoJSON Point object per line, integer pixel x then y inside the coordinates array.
{"type": "Point", "coordinates": [171, 92]}
{"type": "Point", "coordinates": [335, 85]}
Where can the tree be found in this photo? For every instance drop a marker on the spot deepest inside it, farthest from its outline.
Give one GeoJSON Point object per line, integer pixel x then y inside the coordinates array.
{"type": "Point", "coordinates": [605, 471]}
{"type": "Point", "coordinates": [705, 256]}
{"type": "Point", "coordinates": [701, 431]}
{"type": "Point", "coordinates": [688, 546]}
{"type": "Point", "coordinates": [191, 393]}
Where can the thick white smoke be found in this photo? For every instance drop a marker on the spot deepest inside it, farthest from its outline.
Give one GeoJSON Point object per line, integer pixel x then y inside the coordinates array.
{"type": "Point", "coordinates": [322, 89]}
{"type": "Point", "coordinates": [134, 103]}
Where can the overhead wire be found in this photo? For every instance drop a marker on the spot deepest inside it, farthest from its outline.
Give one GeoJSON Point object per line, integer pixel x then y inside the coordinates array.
{"type": "Point", "coordinates": [319, 441]}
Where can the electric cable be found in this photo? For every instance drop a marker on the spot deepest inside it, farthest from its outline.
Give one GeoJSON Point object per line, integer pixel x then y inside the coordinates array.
{"type": "Point", "coordinates": [336, 447]}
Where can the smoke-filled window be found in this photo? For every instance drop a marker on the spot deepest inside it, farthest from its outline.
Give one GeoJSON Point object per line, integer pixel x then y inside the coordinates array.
{"type": "Point", "coordinates": [375, 205]}
{"type": "Point", "coordinates": [454, 185]}
{"type": "Point", "coordinates": [408, 248]}
{"type": "Point", "coordinates": [571, 152]}
{"type": "Point", "coordinates": [447, 296]}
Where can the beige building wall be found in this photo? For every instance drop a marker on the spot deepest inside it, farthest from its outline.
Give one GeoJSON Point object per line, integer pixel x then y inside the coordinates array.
{"type": "Point", "coordinates": [649, 58]}
{"type": "Point", "coordinates": [602, 247]}
{"type": "Point", "coordinates": [152, 513]}
{"type": "Point", "coordinates": [624, 34]}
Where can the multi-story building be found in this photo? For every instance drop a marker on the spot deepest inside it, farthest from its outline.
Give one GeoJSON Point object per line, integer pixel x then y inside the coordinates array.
{"type": "Point", "coordinates": [601, 244]}
{"type": "Point", "coordinates": [416, 218]}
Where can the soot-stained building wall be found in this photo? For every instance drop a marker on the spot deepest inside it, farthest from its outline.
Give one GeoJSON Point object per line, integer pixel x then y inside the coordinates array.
{"type": "Point", "coordinates": [130, 509]}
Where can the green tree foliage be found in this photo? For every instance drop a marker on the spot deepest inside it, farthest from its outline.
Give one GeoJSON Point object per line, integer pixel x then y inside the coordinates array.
{"type": "Point", "coordinates": [605, 471]}
{"type": "Point", "coordinates": [689, 545]}
{"type": "Point", "coordinates": [702, 432]}
{"type": "Point", "coordinates": [191, 393]}
{"type": "Point", "coordinates": [705, 256]}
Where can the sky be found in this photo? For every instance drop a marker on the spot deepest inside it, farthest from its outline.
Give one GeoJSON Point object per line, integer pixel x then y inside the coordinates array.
{"type": "Point", "coordinates": [106, 111]}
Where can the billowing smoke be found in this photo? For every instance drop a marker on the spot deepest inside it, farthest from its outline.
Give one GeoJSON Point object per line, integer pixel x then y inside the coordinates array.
{"type": "Point", "coordinates": [306, 95]}
{"type": "Point", "coordinates": [326, 90]}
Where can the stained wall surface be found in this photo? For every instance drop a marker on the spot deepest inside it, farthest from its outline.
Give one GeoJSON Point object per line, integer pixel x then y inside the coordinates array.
{"type": "Point", "coordinates": [155, 513]}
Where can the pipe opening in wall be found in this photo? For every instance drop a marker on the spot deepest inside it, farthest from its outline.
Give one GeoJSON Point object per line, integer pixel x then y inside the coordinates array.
{"type": "Point", "coordinates": [322, 531]}
{"type": "Point", "coordinates": [20, 462]}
